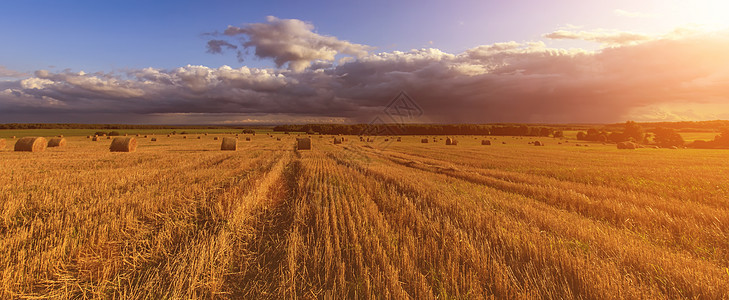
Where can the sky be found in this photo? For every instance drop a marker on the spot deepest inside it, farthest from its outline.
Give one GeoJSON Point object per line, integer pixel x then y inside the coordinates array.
{"type": "Point", "coordinates": [231, 62]}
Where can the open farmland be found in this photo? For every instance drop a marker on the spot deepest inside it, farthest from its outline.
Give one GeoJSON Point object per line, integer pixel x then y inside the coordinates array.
{"type": "Point", "coordinates": [180, 219]}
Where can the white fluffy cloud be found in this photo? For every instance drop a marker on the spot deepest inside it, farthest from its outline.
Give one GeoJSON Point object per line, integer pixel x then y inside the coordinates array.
{"type": "Point", "coordinates": [288, 41]}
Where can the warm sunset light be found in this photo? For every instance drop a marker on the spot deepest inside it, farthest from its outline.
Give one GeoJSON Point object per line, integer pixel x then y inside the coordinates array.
{"type": "Point", "coordinates": [465, 149]}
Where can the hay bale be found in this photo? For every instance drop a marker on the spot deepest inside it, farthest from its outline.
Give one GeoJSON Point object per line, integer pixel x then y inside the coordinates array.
{"type": "Point", "coordinates": [503, 143]}
{"type": "Point", "coordinates": [672, 147]}
{"type": "Point", "coordinates": [88, 136]}
{"type": "Point", "coordinates": [123, 144]}
{"type": "Point", "coordinates": [184, 137]}
{"type": "Point", "coordinates": [145, 136]}
{"type": "Point", "coordinates": [278, 139]}
{"type": "Point", "coordinates": [451, 142]}
{"type": "Point", "coordinates": [154, 139]}
{"type": "Point", "coordinates": [538, 143]}
{"type": "Point", "coordinates": [248, 139]}
{"type": "Point", "coordinates": [229, 144]}
{"type": "Point", "coordinates": [399, 139]}
{"type": "Point", "coordinates": [13, 137]}
{"type": "Point", "coordinates": [424, 141]}
{"type": "Point", "coordinates": [31, 144]}
{"type": "Point", "coordinates": [56, 142]}
{"type": "Point", "coordinates": [108, 137]}
{"type": "Point", "coordinates": [303, 143]}
{"type": "Point", "coordinates": [627, 145]}
{"type": "Point", "coordinates": [2, 143]}
{"type": "Point", "coordinates": [486, 142]}
{"type": "Point", "coordinates": [337, 141]}
{"type": "Point", "coordinates": [94, 139]}
{"type": "Point", "coordinates": [215, 138]}
{"type": "Point", "coordinates": [199, 137]}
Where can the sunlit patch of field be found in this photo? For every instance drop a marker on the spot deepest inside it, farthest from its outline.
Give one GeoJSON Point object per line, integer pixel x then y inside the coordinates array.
{"type": "Point", "coordinates": [181, 219]}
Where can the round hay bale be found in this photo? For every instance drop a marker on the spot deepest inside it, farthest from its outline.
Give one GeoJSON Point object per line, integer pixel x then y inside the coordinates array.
{"type": "Point", "coordinates": [108, 137]}
{"type": "Point", "coordinates": [184, 137]}
{"type": "Point", "coordinates": [145, 136]}
{"type": "Point", "coordinates": [450, 142]}
{"type": "Point", "coordinates": [88, 136]}
{"type": "Point", "coordinates": [199, 137]}
{"type": "Point", "coordinates": [504, 143]}
{"type": "Point", "coordinates": [486, 142]}
{"type": "Point", "coordinates": [206, 134]}
{"type": "Point", "coordinates": [168, 135]}
{"type": "Point", "coordinates": [538, 143]}
{"type": "Point", "coordinates": [278, 139]}
{"type": "Point", "coordinates": [303, 143]}
{"type": "Point", "coordinates": [154, 139]}
{"type": "Point", "coordinates": [2, 143]}
{"type": "Point", "coordinates": [229, 144]}
{"type": "Point", "coordinates": [399, 139]}
{"type": "Point", "coordinates": [627, 145]}
{"type": "Point", "coordinates": [31, 144]}
{"type": "Point", "coordinates": [215, 138]}
{"type": "Point", "coordinates": [126, 134]}
{"type": "Point", "coordinates": [56, 142]}
{"type": "Point", "coordinates": [248, 139]}
{"type": "Point", "coordinates": [94, 139]}
{"type": "Point", "coordinates": [123, 144]}
{"type": "Point", "coordinates": [13, 137]}
{"type": "Point", "coordinates": [337, 141]}
{"type": "Point", "coordinates": [424, 141]}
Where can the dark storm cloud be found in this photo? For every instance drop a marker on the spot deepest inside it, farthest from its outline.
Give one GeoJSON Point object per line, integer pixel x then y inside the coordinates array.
{"type": "Point", "coordinates": [503, 82]}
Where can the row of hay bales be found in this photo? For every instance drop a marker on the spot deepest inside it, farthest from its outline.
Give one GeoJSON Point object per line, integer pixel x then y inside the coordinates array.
{"type": "Point", "coordinates": [36, 144]}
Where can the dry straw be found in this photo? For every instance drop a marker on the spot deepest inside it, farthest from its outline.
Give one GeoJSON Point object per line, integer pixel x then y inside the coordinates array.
{"type": "Point", "coordinates": [56, 142]}
{"type": "Point", "coordinates": [2, 144]}
{"type": "Point", "coordinates": [229, 144]}
{"type": "Point", "coordinates": [303, 143]}
{"type": "Point", "coordinates": [123, 144]}
{"type": "Point", "coordinates": [31, 144]}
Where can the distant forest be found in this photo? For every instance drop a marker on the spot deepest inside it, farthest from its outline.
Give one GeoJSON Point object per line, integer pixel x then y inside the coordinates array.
{"type": "Point", "coordinates": [500, 129]}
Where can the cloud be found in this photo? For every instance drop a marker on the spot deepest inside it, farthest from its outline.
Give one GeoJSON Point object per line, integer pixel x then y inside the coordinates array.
{"type": "Point", "coordinates": [681, 77]}
{"type": "Point", "coordinates": [609, 38]}
{"type": "Point", "coordinates": [289, 41]}
{"type": "Point", "coordinates": [216, 46]}
{"type": "Point", "coordinates": [5, 72]}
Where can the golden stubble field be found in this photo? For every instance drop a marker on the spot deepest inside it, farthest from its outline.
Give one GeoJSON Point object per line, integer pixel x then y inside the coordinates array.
{"type": "Point", "coordinates": [180, 219]}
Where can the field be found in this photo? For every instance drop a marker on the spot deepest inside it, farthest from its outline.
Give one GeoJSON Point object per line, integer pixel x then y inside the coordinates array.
{"type": "Point", "coordinates": [180, 219]}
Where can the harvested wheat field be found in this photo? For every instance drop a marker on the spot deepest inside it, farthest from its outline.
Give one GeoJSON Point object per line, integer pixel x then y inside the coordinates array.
{"type": "Point", "coordinates": [181, 219]}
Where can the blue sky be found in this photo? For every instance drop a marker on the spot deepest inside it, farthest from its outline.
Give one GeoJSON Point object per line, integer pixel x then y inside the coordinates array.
{"type": "Point", "coordinates": [469, 61]}
{"type": "Point", "coordinates": [106, 35]}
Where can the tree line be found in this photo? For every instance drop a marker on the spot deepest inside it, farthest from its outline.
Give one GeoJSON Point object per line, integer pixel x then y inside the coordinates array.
{"type": "Point", "coordinates": [422, 129]}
